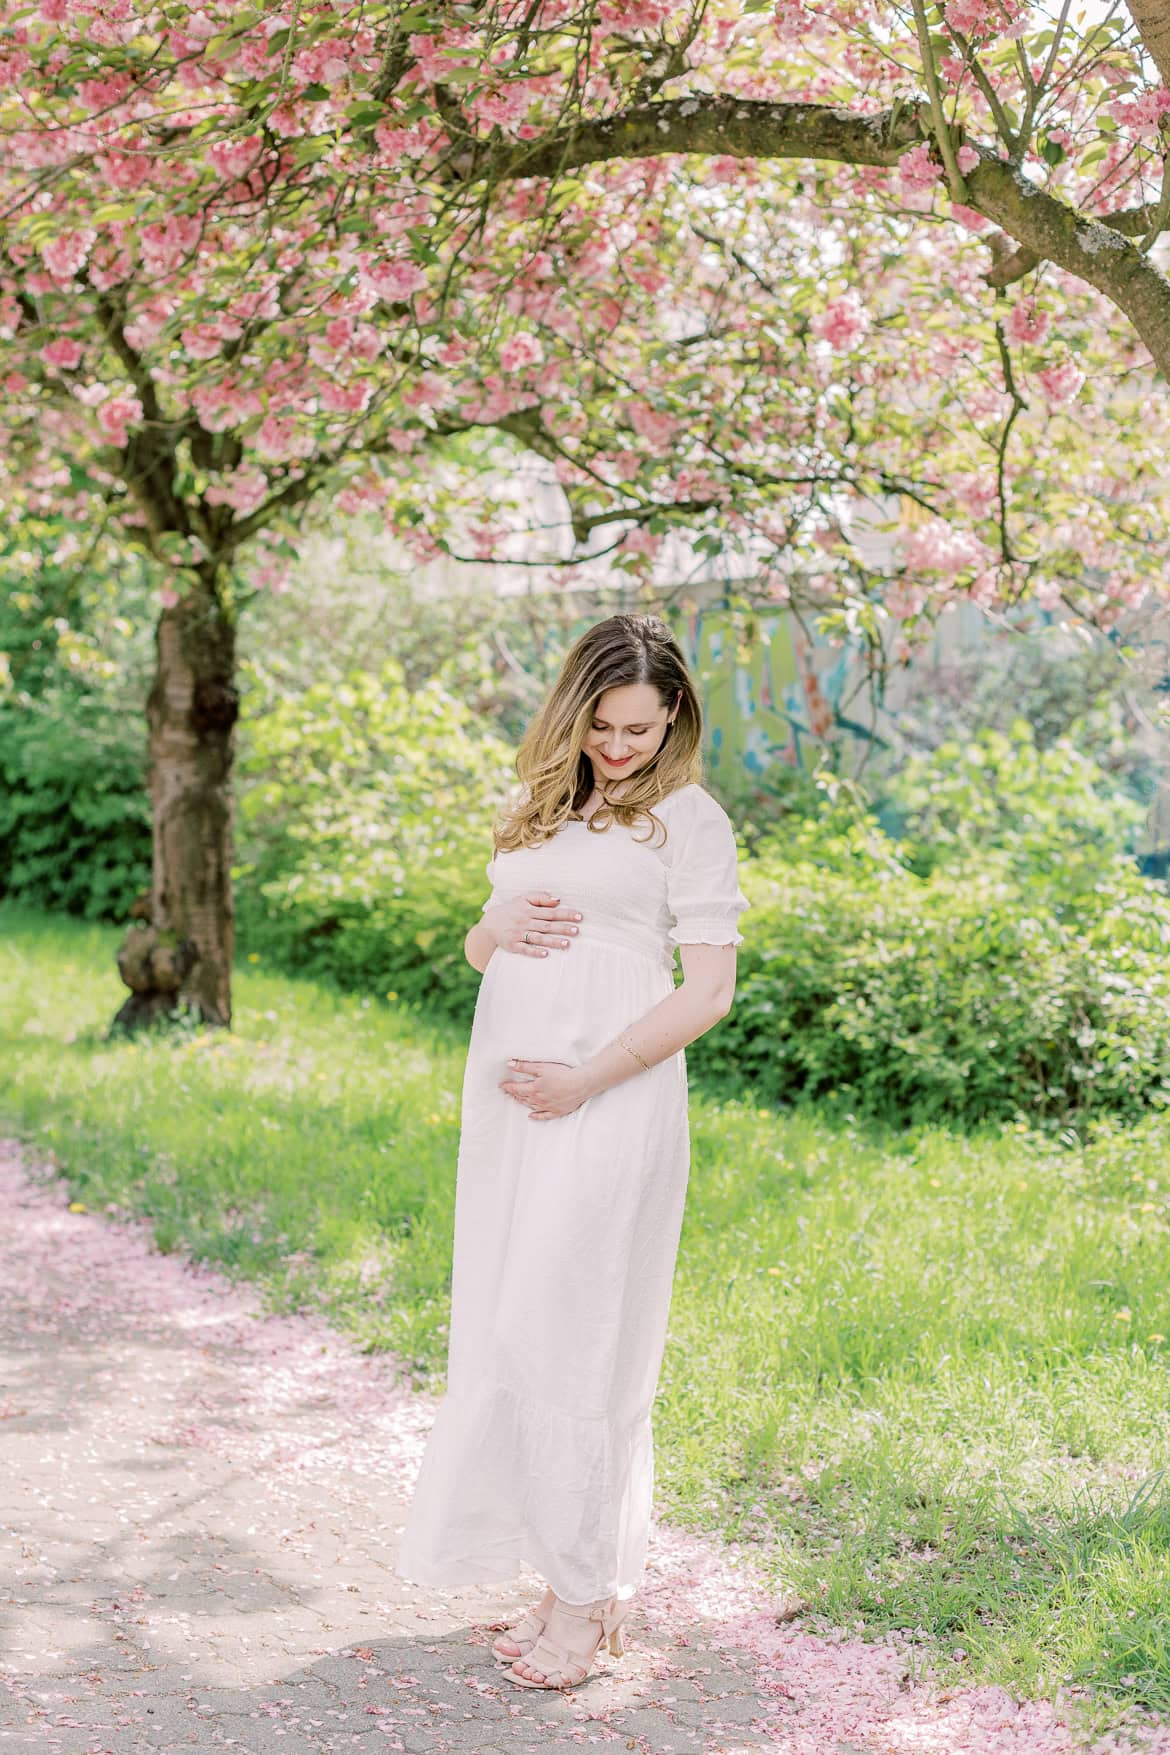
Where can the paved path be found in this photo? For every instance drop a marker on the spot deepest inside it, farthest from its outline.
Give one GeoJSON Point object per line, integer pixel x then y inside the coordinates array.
{"type": "Point", "coordinates": [198, 1512]}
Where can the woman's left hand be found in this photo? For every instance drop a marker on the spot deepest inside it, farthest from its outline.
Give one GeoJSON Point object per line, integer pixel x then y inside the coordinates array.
{"type": "Point", "coordinates": [554, 1089]}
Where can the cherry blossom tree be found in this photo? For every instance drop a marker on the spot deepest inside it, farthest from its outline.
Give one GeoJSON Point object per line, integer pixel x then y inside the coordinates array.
{"type": "Point", "coordinates": [748, 271]}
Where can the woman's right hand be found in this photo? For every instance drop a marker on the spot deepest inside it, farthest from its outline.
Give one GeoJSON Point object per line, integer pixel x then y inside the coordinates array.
{"type": "Point", "coordinates": [548, 925]}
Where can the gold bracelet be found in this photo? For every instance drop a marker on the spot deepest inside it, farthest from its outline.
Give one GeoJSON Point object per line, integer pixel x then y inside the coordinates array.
{"type": "Point", "coordinates": [632, 1050]}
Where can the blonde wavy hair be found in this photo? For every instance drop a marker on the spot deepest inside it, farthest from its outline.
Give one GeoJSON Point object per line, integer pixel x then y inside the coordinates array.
{"type": "Point", "coordinates": [555, 772]}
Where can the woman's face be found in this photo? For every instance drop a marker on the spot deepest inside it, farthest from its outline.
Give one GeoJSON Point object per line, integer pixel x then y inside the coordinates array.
{"type": "Point", "coordinates": [627, 730]}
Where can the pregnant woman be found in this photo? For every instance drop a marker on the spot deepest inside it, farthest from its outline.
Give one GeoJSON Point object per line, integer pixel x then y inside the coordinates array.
{"type": "Point", "coordinates": [574, 1152]}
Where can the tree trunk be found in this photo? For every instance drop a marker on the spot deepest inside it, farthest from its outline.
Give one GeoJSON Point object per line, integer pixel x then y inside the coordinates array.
{"type": "Point", "coordinates": [185, 952]}
{"type": "Point", "coordinates": [1153, 24]}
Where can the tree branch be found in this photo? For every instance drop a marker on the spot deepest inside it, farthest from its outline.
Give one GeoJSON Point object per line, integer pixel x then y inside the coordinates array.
{"type": "Point", "coordinates": [1018, 404]}
{"type": "Point", "coordinates": [1096, 251]}
{"type": "Point", "coordinates": [1092, 249]}
{"type": "Point", "coordinates": [942, 134]}
{"type": "Point", "coordinates": [294, 493]}
{"type": "Point", "coordinates": [738, 127]}
{"type": "Point", "coordinates": [1011, 262]}
{"type": "Point", "coordinates": [148, 458]}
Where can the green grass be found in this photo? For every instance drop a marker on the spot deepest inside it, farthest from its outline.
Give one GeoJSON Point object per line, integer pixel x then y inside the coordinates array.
{"type": "Point", "coordinates": [926, 1376]}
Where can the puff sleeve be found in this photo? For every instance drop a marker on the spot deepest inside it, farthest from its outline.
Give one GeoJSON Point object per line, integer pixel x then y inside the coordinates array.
{"type": "Point", "coordinates": [490, 869]}
{"type": "Point", "coordinates": [702, 885]}
{"type": "Point", "coordinates": [518, 796]}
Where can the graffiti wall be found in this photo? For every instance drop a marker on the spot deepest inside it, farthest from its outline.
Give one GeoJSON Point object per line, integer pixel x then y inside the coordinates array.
{"type": "Point", "coordinates": [779, 698]}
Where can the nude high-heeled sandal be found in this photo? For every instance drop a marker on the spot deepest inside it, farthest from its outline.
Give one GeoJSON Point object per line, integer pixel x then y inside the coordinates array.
{"type": "Point", "coordinates": [572, 1636]}
{"type": "Point", "coordinates": [526, 1631]}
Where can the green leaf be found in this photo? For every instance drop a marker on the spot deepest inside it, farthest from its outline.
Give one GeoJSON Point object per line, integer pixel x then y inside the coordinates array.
{"type": "Point", "coordinates": [565, 194]}
{"type": "Point", "coordinates": [307, 152]}
{"type": "Point", "coordinates": [421, 248]}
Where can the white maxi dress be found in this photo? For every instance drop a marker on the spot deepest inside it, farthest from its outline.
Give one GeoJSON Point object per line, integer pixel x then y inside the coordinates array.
{"type": "Point", "coordinates": [567, 1231]}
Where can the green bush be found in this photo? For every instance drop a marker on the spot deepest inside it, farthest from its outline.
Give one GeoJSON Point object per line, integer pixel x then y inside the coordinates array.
{"type": "Point", "coordinates": [76, 652]}
{"type": "Point", "coordinates": [1055, 812]}
{"type": "Point", "coordinates": [978, 992]}
{"type": "Point", "coordinates": [364, 824]}
{"type": "Point", "coordinates": [75, 831]}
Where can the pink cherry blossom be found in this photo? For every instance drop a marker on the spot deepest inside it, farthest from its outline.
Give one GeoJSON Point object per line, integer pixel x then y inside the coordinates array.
{"type": "Point", "coordinates": [279, 440]}
{"type": "Point", "coordinates": [918, 170]}
{"type": "Point", "coordinates": [976, 493]}
{"type": "Point", "coordinates": [203, 341]}
{"type": "Point", "coordinates": [504, 108]}
{"type": "Point", "coordinates": [641, 541]}
{"type": "Point", "coordinates": [360, 495]}
{"type": "Point", "coordinates": [519, 351]}
{"type": "Point", "coordinates": [244, 490]}
{"type": "Point", "coordinates": [906, 598]}
{"type": "Point", "coordinates": [66, 255]}
{"type": "Point", "coordinates": [125, 170]}
{"type": "Point", "coordinates": [1060, 383]}
{"type": "Point", "coordinates": [104, 93]}
{"type": "Point", "coordinates": [843, 323]}
{"type": "Point", "coordinates": [63, 353]}
{"type": "Point", "coordinates": [402, 441]}
{"type": "Point", "coordinates": [968, 217]}
{"type": "Point", "coordinates": [651, 424]}
{"type": "Point", "coordinates": [634, 14]}
{"type": "Point", "coordinates": [116, 417]}
{"type": "Point", "coordinates": [1026, 322]}
{"type": "Point", "coordinates": [982, 18]}
{"type": "Point", "coordinates": [393, 279]}
{"type": "Point", "coordinates": [808, 337]}
{"type": "Point", "coordinates": [793, 19]}
{"type": "Point", "coordinates": [235, 158]}
{"type": "Point", "coordinates": [937, 547]}
{"type": "Point", "coordinates": [345, 398]}
{"type": "Point", "coordinates": [1146, 114]}
{"type": "Point", "coordinates": [339, 332]}
{"type": "Point", "coordinates": [164, 243]}
{"type": "Point", "coordinates": [366, 343]}
{"type": "Point", "coordinates": [273, 576]}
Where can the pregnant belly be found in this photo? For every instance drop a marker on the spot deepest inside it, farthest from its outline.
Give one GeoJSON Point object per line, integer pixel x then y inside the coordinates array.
{"type": "Point", "coordinates": [564, 1006]}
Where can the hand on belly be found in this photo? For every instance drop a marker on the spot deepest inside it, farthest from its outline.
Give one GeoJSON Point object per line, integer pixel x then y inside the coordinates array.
{"type": "Point", "coordinates": [549, 1089]}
